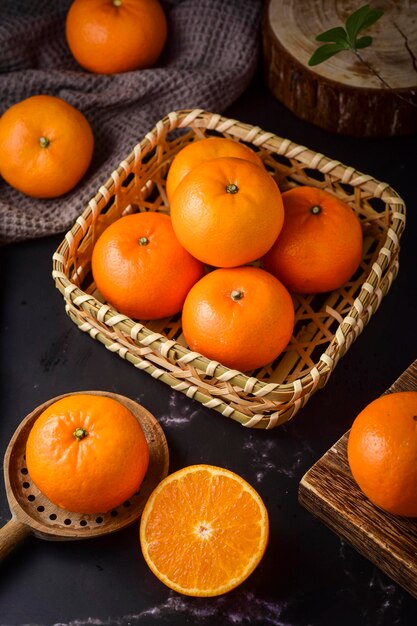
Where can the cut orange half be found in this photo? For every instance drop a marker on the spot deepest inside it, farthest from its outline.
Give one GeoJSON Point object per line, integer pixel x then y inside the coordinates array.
{"type": "Point", "coordinates": [204, 530]}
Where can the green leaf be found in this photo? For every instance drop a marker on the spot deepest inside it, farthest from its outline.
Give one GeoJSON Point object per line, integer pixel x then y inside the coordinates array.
{"type": "Point", "coordinates": [335, 35]}
{"type": "Point", "coordinates": [363, 42]}
{"type": "Point", "coordinates": [363, 18]}
{"type": "Point", "coordinates": [355, 21]}
{"type": "Point", "coordinates": [339, 38]}
{"type": "Point", "coordinates": [325, 52]}
{"type": "Point", "coordinates": [372, 17]}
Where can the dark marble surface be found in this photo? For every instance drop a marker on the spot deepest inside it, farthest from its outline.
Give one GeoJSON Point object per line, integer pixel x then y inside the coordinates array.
{"type": "Point", "coordinates": [308, 576]}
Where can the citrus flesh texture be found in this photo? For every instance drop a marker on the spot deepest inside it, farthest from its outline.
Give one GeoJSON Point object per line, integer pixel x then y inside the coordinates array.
{"type": "Point", "coordinates": [203, 530]}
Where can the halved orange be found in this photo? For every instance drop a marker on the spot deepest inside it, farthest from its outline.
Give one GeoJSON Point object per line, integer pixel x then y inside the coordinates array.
{"type": "Point", "coordinates": [204, 530]}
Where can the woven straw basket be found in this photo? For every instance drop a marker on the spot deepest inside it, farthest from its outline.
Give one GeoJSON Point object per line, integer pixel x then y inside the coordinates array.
{"type": "Point", "coordinates": [326, 325]}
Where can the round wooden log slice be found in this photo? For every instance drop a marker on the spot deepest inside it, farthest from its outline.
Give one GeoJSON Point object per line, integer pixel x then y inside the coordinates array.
{"type": "Point", "coordinates": [342, 94]}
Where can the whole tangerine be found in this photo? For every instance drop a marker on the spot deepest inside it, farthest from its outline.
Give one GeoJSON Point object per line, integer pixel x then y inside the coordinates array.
{"type": "Point", "coordinates": [141, 269]}
{"type": "Point", "coordinates": [242, 317]}
{"type": "Point", "coordinates": [382, 452]}
{"type": "Point", "coordinates": [46, 146]}
{"type": "Point", "coordinates": [320, 245]}
{"type": "Point", "coordinates": [87, 453]}
{"type": "Point", "coordinates": [112, 36]}
{"type": "Point", "coordinates": [207, 149]}
{"type": "Point", "coordinates": [227, 212]}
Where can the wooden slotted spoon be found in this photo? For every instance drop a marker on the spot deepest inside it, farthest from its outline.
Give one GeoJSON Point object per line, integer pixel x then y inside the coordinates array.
{"type": "Point", "coordinates": [33, 513]}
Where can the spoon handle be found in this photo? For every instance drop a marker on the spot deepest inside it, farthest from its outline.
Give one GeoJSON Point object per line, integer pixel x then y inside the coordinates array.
{"type": "Point", "coordinates": [10, 535]}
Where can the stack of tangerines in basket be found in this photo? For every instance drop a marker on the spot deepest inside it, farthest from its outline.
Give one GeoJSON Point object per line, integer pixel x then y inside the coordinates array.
{"type": "Point", "coordinates": [229, 255]}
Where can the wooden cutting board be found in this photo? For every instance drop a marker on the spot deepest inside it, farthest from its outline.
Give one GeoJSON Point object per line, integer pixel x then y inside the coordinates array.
{"type": "Point", "coordinates": [329, 492]}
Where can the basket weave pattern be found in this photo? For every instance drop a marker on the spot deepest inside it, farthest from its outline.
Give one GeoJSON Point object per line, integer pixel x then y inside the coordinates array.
{"type": "Point", "coordinates": [326, 325]}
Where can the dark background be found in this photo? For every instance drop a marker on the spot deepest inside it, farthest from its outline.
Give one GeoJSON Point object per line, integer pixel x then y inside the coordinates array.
{"type": "Point", "coordinates": [308, 576]}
